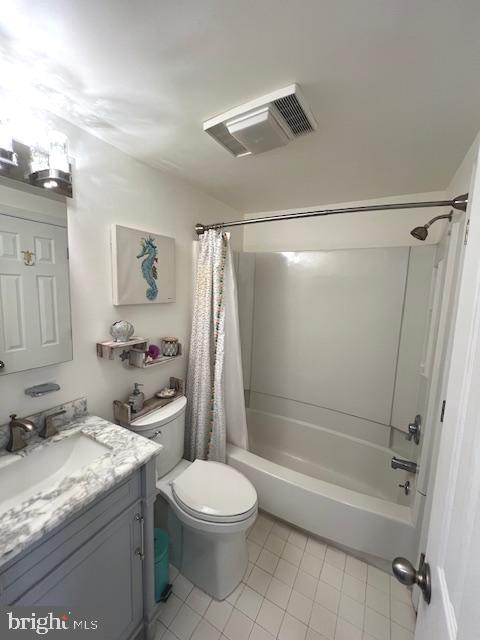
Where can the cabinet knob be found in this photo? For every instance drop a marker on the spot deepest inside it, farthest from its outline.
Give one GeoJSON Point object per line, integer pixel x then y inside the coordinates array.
{"type": "Point", "coordinates": [2, 365]}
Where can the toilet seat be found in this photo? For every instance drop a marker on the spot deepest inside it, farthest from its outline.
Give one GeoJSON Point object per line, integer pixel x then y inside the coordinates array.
{"type": "Point", "coordinates": [214, 492]}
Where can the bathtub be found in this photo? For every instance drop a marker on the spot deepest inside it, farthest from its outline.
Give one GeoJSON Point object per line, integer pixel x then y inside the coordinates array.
{"type": "Point", "coordinates": [334, 485]}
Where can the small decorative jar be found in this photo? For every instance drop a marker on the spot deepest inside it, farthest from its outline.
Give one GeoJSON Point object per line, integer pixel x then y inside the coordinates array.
{"type": "Point", "coordinates": [170, 346]}
{"type": "Point", "coordinates": [121, 331]}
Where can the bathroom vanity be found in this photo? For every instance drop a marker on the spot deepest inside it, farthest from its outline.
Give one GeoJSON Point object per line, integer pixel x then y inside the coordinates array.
{"type": "Point", "coordinates": [76, 526]}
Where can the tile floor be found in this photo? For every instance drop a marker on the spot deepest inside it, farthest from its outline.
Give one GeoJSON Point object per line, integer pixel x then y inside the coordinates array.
{"type": "Point", "coordinates": [295, 588]}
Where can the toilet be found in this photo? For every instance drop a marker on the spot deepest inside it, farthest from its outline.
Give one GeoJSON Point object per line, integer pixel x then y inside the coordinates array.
{"type": "Point", "coordinates": [211, 506]}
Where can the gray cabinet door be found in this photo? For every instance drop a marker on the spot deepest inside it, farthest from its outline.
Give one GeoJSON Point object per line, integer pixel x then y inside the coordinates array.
{"type": "Point", "coordinates": [102, 580]}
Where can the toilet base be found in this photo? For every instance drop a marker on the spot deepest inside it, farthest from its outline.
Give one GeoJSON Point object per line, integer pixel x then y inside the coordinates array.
{"type": "Point", "coordinates": [216, 566]}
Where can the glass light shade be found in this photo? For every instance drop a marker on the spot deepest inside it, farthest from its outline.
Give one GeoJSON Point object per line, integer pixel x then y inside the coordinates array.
{"type": "Point", "coordinates": [38, 159]}
{"type": "Point", "coordinates": [58, 157]}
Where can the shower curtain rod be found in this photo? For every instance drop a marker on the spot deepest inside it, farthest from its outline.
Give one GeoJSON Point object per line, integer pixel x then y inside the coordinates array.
{"type": "Point", "coordinates": [460, 203]}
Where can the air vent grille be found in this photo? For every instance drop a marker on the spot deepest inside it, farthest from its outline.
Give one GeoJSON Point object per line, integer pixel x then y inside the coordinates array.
{"type": "Point", "coordinates": [223, 136]}
{"type": "Point", "coordinates": [294, 115]}
{"type": "Point", "coordinates": [253, 127]}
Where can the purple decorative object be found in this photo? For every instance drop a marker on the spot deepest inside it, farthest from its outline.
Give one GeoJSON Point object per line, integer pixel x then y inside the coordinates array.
{"type": "Point", "coordinates": [153, 351]}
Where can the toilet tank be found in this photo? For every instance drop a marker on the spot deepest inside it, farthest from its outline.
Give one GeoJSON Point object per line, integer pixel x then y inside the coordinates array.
{"type": "Point", "coordinates": [166, 426]}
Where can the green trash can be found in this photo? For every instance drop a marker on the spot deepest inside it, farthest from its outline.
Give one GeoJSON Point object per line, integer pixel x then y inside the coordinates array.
{"type": "Point", "coordinates": [162, 586]}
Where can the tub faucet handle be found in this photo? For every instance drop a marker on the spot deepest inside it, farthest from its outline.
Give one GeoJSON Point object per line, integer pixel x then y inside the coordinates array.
{"type": "Point", "coordinates": [414, 431]}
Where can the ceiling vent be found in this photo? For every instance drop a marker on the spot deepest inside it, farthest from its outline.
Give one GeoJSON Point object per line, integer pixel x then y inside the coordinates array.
{"type": "Point", "coordinates": [263, 124]}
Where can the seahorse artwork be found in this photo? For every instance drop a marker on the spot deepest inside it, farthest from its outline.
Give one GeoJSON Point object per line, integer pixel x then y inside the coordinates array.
{"type": "Point", "coordinates": [149, 265]}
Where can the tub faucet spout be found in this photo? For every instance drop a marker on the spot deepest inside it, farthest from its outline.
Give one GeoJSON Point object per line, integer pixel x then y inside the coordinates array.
{"type": "Point", "coordinates": [405, 465]}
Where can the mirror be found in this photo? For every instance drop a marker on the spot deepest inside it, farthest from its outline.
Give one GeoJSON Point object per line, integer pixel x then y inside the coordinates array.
{"type": "Point", "coordinates": [35, 320]}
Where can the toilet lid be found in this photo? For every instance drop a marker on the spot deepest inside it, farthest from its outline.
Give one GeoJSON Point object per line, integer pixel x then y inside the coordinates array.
{"type": "Point", "coordinates": [214, 491]}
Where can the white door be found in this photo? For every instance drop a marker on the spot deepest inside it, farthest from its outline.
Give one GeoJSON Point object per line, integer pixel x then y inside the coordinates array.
{"type": "Point", "coordinates": [34, 294]}
{"type": "Point", "coordinates": [453, 546]}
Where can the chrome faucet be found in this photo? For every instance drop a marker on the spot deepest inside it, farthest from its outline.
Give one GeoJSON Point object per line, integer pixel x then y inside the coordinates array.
{"type": "Point", "coordinates": [406, 465]}
{"type": "Point", "coordinates": [49, 428]}
{"type": "Point", "coordinates": [16, 441]}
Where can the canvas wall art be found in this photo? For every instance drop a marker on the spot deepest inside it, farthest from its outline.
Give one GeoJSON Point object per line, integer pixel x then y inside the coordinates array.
{"type": "Point", "coordinates": [143, 267]}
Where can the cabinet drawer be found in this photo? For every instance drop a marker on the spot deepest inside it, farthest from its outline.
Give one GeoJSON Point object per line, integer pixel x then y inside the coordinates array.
{"type": "Point", "coordinates": [42, 558]}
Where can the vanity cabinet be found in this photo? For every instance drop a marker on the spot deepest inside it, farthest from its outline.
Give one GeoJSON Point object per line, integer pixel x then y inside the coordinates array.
{"type": "Point", "coordinates": [98, 564]}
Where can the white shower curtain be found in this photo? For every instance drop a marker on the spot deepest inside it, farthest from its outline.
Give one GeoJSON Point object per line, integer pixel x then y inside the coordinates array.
{"type": "Point", "coordinates": [215, 407]}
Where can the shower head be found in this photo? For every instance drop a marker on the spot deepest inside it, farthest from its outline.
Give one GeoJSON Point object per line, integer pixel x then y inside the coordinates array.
{"type": "Point", "coordinates": [421, 233]}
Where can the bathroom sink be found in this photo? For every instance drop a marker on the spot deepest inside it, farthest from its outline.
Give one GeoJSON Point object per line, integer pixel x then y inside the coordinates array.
{"type": "Point", "coordinates": [43, 470]}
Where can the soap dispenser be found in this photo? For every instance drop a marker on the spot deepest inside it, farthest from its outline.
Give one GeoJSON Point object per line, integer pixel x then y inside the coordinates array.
{"type": "Point", "coordinates": [136, 398]}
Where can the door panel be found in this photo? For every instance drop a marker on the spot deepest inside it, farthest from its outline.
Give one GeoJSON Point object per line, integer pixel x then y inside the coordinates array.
{"type": "Point", "coordinates": [34, 294]}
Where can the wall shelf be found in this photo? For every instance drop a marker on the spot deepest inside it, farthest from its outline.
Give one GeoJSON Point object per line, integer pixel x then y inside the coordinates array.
{"type": "Point", "coordinates": [133, 351]}
{"type": "Point", "coordinates": [107, 348]}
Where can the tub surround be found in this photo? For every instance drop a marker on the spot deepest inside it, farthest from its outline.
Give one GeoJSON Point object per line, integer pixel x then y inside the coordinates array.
{"type": "Point", "coordinates": [37, 516]}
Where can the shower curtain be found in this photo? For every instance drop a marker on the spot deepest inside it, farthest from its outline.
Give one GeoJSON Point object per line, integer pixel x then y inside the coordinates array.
{"type": "Point", "coordinates": [215, 407]}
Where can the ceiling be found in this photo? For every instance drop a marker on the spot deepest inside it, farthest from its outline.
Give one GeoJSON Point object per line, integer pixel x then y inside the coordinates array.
{"type": "Point", "coordinates": [394, 86]}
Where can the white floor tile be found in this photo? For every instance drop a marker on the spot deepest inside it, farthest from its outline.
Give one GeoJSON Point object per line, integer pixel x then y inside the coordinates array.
{"type": "Point", "coordinates": [265, 520]}
{"type": "Point", "coordinates": [160, 630]}
{"type": "Point", "coordinates": [298, 538]}
{"type": "Point", "coordinates": [239, 626]}
{"type": "Point", "coordinates": [328, 597]}
{"type": "Point", "coordinates": [313, 635]}
{"type": "Point", "coordinates": [258, 534]}
{"type": "Point", "coordinates": [281, 530]}
{"type": "Point", "coordinates": [399, 633]}
{"type": "Point", "coordinates": [249, 602]}
{"type": "Point", "coordinates": [351, 611]}
{"type": "Point", "coordinates": [278, 593]}
{"type": "Point", "coordinates": [376, 625]}
{"type": "Point", "coordinates": [292, 553]}
{"type": "Point", "coordinates": [218, 613]}
{"type": "Point", "coordinates": [356, 568]}
{"type": "Point", "coordinates": [260, 634]}
{"type": "Point", "coordinates": [248, 571]}
{"type": "Point", "coordinates": [316, 548]}
{"type": "Point", "coordinates": [323, 621]}
{"type": "Point", "coordinates": [205, 631]}
{"type": "Point", "coordinates": [169, 609]}
{"type": "Point", "coordinates": [172, 572]}
{"type": "Point", "coordinates": [286, 572]}
{"type": "Point", "coordinates": [332, 576]}
{"type": "Point", "coordinates": [270, 617]}
{"type": "Point", "coordinates": [354, 588]}
{"type": "Point", "coordinates": [254, 550]}
{"type": "Point", "coordinates": [346, 631]}
{"type": "Point", "coordinates": [259, 580]}
{"type": "Point", "coordinates": [378, 601]}
{"type": "Point", "coordinates": [300, 607]}
{"type": "Point", "coordinates": [198, 600]}
{"type": "Point", "coordinates": [292, 629]}
{"type": "Point", "coordinates": [403, 614]}
{"type": "Point", "coordinates": [378, 579]}
{"type": "Point", "coordinates": [311, 564]}
{"type": "Point", "coordinates": [169, 636]}
{"type": "Point", "coordinates": [306, 584]}
{"type": "Point", "coordinates": [182, 587]}
{"type": "Point", "coordinates": [185, 622]}
{"type": "Point", "coordinates": [399, 591]}
{"type": "Point", "coordinates": [267, 561]}
{"type": "Point", "coordinates": [233, 597]}
{"type": "Point", "coordinates": [275, 544]}
{"type": "Point", "coordinates": [336, 558]}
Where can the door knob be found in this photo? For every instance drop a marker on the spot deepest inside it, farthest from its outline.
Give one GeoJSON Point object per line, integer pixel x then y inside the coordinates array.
{"type": "Point", "coordinates": [405, 572]}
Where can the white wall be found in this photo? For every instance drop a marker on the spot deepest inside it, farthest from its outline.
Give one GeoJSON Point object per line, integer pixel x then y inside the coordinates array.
{"type": "Point", "coordinates": [111, 187]}
{"type": "Point", "coordinates": [373, 229]}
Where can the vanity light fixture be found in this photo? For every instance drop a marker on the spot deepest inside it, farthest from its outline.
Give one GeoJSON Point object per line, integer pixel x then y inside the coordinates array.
{"type": "Point", "coordinates": [8, 157]}
{"type": "Point", "coordinates": [50, 168]}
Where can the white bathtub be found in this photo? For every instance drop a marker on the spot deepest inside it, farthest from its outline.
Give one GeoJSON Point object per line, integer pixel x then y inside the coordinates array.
{"type": "Point", "coordinates": [333, 485]}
